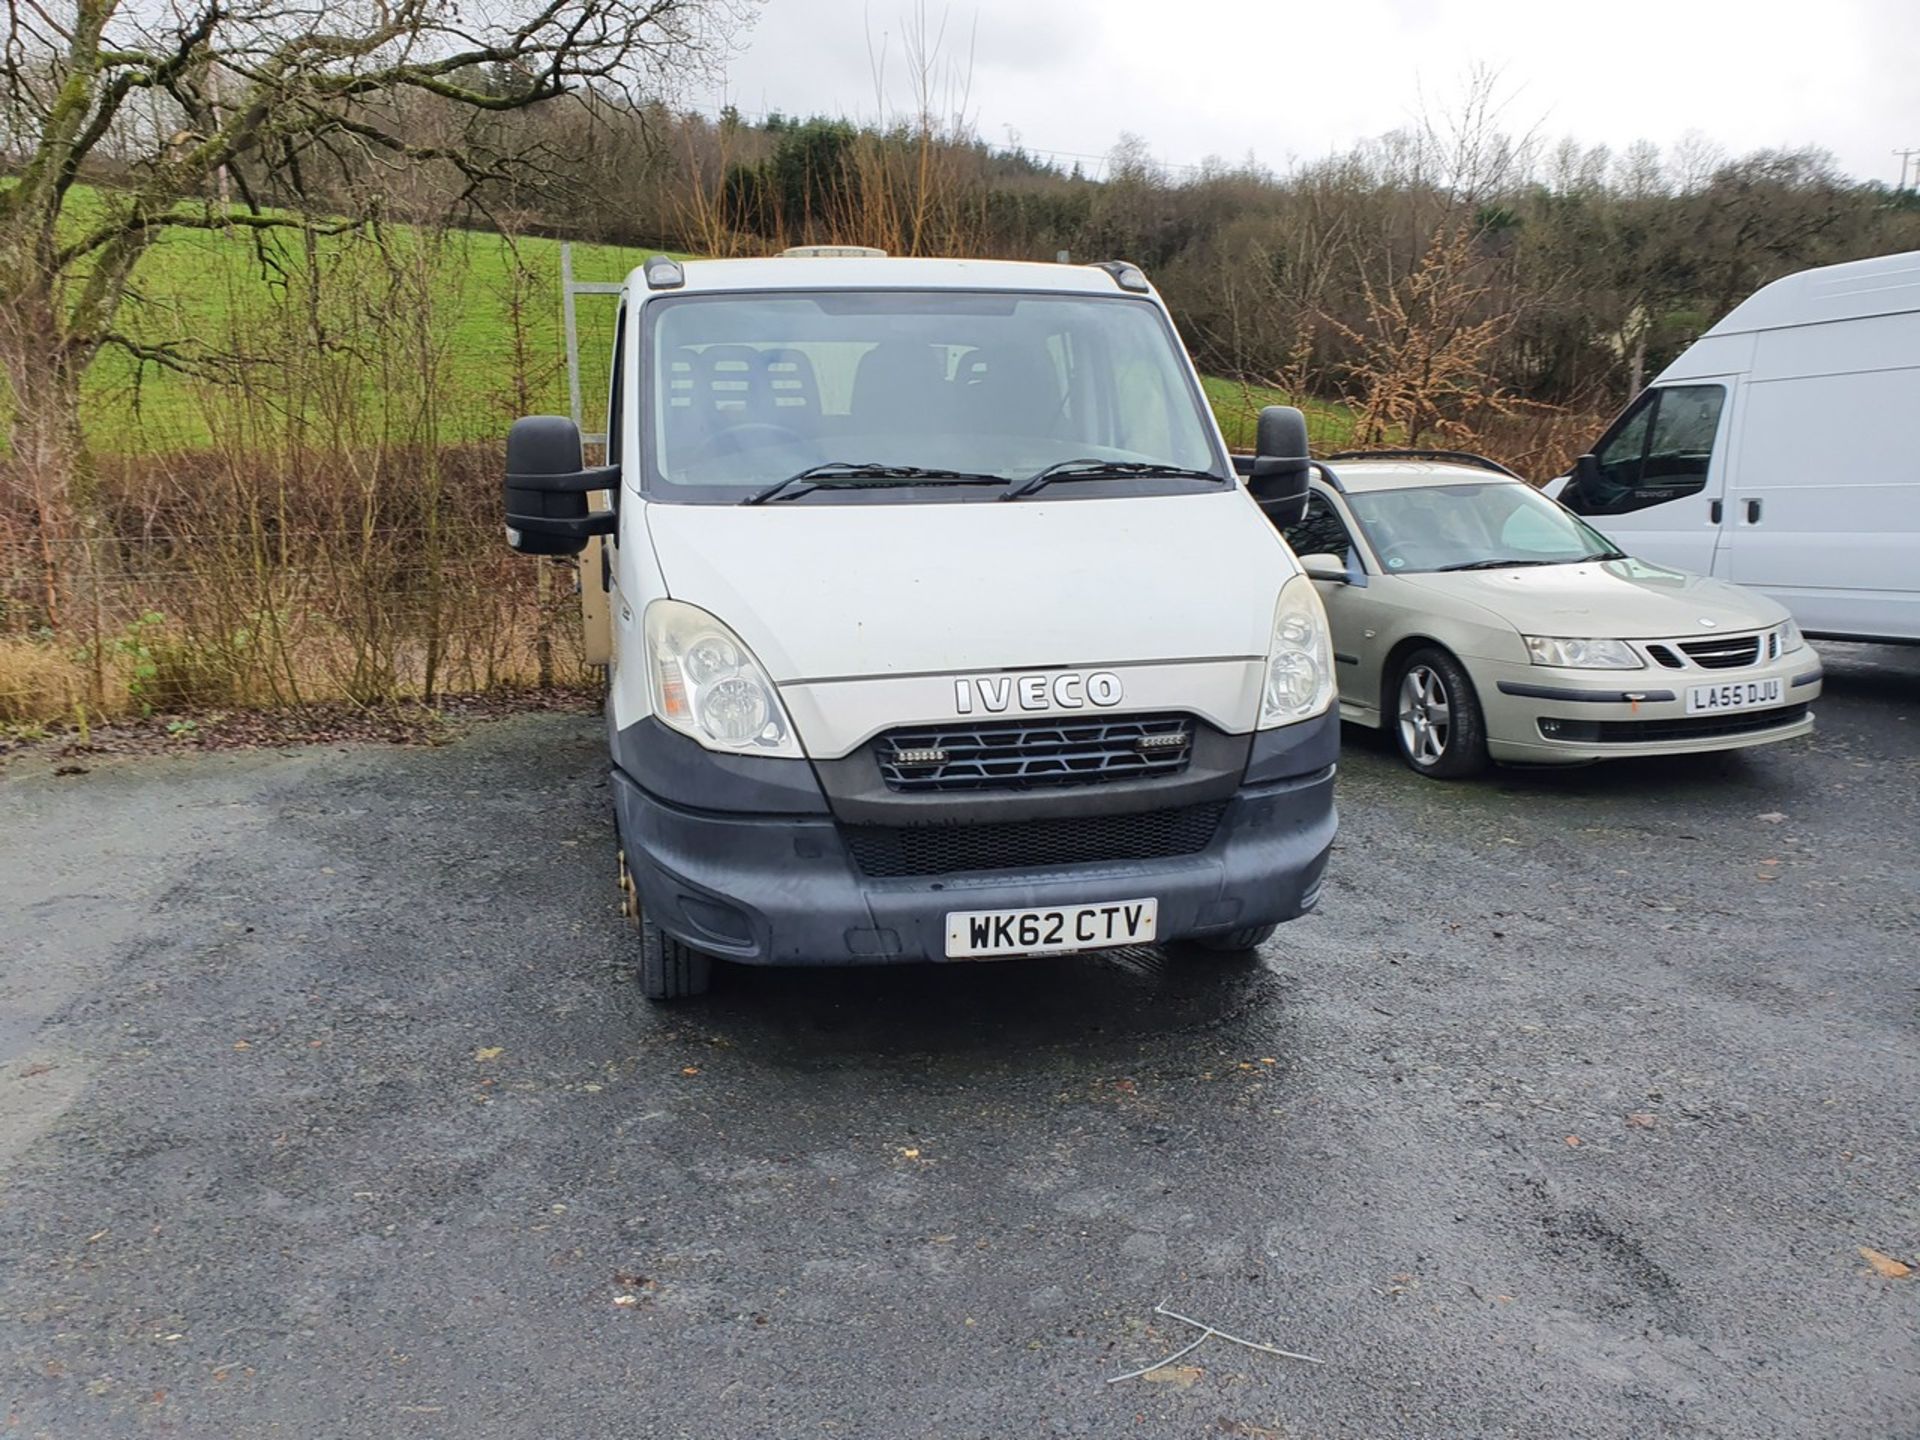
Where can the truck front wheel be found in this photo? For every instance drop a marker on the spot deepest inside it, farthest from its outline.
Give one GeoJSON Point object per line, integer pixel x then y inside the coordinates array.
{"type": "Point", "coordinates": [669, 969]}
{"type": "Point", "coordinates": [1235, 942]}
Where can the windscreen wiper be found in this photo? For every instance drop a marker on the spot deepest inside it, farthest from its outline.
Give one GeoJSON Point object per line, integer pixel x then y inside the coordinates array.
{"type": "Point", "coordinates": [1498, 564]}
{"type": "Point", "coordinates": [852, 475]}
{"type": "Point", "coordinates": [1105, 470]}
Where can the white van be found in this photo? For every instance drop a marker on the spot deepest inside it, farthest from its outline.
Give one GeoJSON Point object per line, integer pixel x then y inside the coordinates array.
{"type": "Point", "coordinates": [943, 626]}
{"type": "Point", "coordinates": [1779, 451]}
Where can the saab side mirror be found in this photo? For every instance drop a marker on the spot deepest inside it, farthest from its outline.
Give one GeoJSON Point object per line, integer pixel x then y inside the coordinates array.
{"type": "Point", "coordinates": [547, 488]}
{"type": "Point", "coordinates": [1325, 567]}
{"type": "Point", "coordinates": [1282, 464]}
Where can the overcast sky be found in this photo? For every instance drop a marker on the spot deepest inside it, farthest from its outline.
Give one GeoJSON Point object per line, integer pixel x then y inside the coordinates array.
{"type": "Point", "coordinates": [1288, 81]}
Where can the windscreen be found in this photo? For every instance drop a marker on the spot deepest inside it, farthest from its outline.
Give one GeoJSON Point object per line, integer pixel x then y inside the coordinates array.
{"type": "Point", "coordinates": [1479, 523]}
{"type": "Point", "coordinates": [748, 389]}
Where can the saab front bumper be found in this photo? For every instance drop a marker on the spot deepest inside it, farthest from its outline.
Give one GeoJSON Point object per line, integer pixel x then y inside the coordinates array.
{"type": "Point", "coordinates": [1540, 714]}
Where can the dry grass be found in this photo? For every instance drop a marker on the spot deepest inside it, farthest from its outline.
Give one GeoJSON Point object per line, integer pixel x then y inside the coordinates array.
{"type": "Point", "coordinates": [209, 582]}
{"type": "Point", "coordinates": [40, 683]}
{"type": "Point", "coordinates": [338, 539]}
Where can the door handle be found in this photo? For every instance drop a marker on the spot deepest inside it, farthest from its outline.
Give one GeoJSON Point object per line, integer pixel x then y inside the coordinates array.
{"type": "Point", "coordinates": [1713, 511]}
{"type": "Point", "coordinates": [1753, 512]}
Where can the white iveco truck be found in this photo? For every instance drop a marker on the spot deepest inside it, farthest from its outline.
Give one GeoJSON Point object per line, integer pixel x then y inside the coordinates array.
{"type": "Point", "coordinates": [943, 625]}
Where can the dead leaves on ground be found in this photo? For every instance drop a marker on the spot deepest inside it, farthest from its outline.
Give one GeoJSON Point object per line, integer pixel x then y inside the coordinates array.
{"type": "Point", "coordinates": [1181, 1376]}
{"type": "Point", "coordinates": [1885, 1266]}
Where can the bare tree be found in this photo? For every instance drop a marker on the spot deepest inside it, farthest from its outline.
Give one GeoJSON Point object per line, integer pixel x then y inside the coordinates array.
{"type": "Point", "coordinates": [1422, 356]}
{"type": "Point", "coordinates": [276, 99]}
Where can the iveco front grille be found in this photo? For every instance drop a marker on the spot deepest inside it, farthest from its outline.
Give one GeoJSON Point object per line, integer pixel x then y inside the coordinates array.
{"type": "Point", "coordinates": [1028, 755]}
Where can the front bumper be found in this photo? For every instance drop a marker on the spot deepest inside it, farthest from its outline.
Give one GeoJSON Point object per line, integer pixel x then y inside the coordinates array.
{"type": "Point", "coordinates": [787, 889]}
{"type": "Point", "coordinates": [1537, 714]}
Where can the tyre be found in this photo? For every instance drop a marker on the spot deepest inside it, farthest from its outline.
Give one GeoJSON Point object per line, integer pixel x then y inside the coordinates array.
{"type": "Point", "coordinates": [1235, 942]}
{"type": "Point", "coordinates": [1436, 718]}
{"type": "Point", "coordinates": [669, 968]}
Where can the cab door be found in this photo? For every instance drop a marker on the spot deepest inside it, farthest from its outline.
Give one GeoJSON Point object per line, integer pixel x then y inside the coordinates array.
{"type": "Point", "coordinates": [1656, 484]}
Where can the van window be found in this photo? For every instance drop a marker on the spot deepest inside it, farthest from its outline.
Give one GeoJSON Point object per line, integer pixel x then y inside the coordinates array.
{"type": "Point", "coordinates": [745, 389]}
{"type": "Point", "coordinates": [1658, 451]}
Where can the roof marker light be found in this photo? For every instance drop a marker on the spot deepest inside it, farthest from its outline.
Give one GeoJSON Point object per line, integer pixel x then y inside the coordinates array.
{"type": "Point", "coordinates": [663, 272]}
{"type": "Point", "coordinates": [833, 252]}
{"type": "Point", "coordinates": [1126, 274]}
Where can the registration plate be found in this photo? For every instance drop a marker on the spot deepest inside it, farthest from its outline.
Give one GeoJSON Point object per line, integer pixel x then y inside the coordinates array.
{"type": "Point", "coordinates": [974, 933]}
{"type": "Point", "coordinates": [1735, 695]}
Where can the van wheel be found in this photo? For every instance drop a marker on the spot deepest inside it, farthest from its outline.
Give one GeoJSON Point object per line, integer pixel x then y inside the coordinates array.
{"type": "Point", "coordinates": [1436, 717]}
{"type": "Point", "coordinates": [1235, 942]}
{"type": "Point", "coordinates": [669, 969]}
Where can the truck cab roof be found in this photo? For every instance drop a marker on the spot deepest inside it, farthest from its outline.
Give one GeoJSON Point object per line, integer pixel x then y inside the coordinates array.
{"type": "Point", "coordinates": [868, 272]}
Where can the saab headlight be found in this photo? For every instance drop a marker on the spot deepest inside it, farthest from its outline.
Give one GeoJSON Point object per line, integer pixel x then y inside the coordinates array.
{"type": "Point", "coordinates": [1790, 639]}
{"type": "Point", "coordinates": [1298, 683]}
{"type": "Point", "coordinates": [1581, 654]}
{"type": "Point", "coordinates": [707, 685]}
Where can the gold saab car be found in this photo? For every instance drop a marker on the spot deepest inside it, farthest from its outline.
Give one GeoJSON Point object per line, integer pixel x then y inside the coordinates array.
{"type": "Point", "coordinates": [1476, 619]}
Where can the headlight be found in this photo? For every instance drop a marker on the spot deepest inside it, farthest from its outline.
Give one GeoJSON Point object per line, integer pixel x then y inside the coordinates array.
{"type": "Point", "coordinates": [1299, 678]}
{"type": "Point", "coordinates": [707, 684]}
{"type": "Point", "coordinates": [1790, 639]}
{"type": "Point", "coordinates": [1582, 654]}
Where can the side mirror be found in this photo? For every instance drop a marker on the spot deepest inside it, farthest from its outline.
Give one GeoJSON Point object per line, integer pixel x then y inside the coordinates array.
{"type": "Point", "coordinates": [1581, 484]}
{"type": "Point", "coordinates": [1281, 465]}
{"type": "Point", "coordinates": [547, 487]}
{"type": "Point", "coordinates": [1325, 567]}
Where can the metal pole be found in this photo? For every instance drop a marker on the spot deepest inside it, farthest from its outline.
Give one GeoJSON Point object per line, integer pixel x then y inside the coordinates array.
{"type": "Point", "coordinates": [573, 333]}
{"type": "Point", "coordinates": [1905, 157]}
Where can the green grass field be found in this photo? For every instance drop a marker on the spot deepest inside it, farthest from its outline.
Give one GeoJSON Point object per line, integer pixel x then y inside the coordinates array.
{"type": "Point", "coordinates": [238, 291]}
{"type": "Point", "coordinates": [225, 292]}
{"type": "Point", "coordinates": [1237, 405]}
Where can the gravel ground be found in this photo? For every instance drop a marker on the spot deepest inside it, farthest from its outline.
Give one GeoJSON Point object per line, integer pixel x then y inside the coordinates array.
{"type": "Point", "coordinates": [328, 1108]}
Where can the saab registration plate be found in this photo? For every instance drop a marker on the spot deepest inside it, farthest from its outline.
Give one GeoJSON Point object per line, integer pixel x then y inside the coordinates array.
{"type": "Point", "coordinates": [1737, 695]}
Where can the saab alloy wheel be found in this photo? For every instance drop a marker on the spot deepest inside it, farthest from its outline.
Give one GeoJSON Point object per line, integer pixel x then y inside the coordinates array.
{"type": "Point", "coordinates": [1436, 717]}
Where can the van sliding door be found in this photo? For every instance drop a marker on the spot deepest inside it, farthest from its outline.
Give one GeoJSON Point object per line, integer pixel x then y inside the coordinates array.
{"type": "Point", "coordinates": [1824, 507]}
